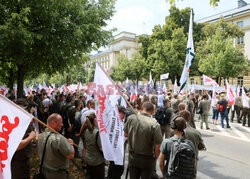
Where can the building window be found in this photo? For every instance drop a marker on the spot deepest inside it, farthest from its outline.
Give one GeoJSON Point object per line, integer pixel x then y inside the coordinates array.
{"type": "Point", "coordinates": [240, 81]}
{"type": "Point", "coordinates": [192, 81]}
{"type": "Point", "coordinates": [240, 24]}
{"type": "Point", "coordinates": [240, 39]}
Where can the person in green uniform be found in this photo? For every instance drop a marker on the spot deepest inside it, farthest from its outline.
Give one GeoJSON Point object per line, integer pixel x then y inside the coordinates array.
{"type": "Point", "coordinates": [58, 150]}
{"type": "Point", "coordinates": [92, 154]}
{"type": "Point", "coordinates": [178, 125]}
{"type": "Point", "coordinates": [144, 140]}
{"type": "Point", "coordinates": [193, 135]}
{"type": "Point", "coordinates": [205, 105]}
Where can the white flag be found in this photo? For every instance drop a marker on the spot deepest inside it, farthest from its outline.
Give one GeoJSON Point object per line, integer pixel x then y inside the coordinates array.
{"type": "Point", "coordinates": [109, 123]}
{"type": "Point", "coordinates": [175, 87]}
{"type": "Point", "coordinates": [244, 98]}
{"type": "Point", "coordinates": [14, 121]}
{"type": "Point", "coordinates": [164, 76]}
{"type": "Point", "coordinates": [189, 55]}
{"type": "Point", "coordinates": [209, 81]}
{"type": "Point", "coordinates": [213, 102]}
{"type": "Point", "coordinates": [164, 88]}
{"type": "Point", "coordinates": [238, 91]}
{"type": "Point", "coordinates": [151, 82]}
{"type": "Point", "coordinates": [230, 95]}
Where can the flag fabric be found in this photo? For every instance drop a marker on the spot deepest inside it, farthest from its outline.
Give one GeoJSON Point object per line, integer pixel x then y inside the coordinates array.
{"type": "Point", "coordinates": [213, 100]}
{"type": "Point", "coordinates": [209, 81]}
{"type": "Point", "coordinates": [14, 121]}
{"type": "Point", "coordinates": [244, 99]}
{"type": "Point", "coordinates": [109, 123]}
{"type": "Point", "coordinates": [151, 82]}
{"type": "Point", "coordinates": [175, 87]}
{"type": "Point", "coordinates": [230, 95]}
{"type": "Point", "coordinates": [189, 55]}
{"type": "Point", "coordinates": [164, 88]}
{"type": "Point", "coordinates": [164, 76]}
{"type": "Point", "coordinates": [238, 91]}
{"type": "Point", "coordinates": [123, 102]}
{"type": "Point", "coordinates": [133, 94]}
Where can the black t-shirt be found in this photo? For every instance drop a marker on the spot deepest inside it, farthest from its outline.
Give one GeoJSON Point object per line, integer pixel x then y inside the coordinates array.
{"type": "Point", "coordinates": [222, 105]}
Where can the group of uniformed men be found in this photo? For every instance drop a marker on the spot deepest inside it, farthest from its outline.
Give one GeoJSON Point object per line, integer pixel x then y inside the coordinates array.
{"type": "Point", "coordinates": [74, 117]}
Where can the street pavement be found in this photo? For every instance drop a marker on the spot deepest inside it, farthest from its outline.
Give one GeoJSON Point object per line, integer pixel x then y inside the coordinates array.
{"type": "Point", "coordinates": [227, 155]}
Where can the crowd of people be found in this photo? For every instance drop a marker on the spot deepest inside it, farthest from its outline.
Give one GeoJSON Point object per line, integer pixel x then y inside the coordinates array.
{"type": "Point", "coordinates": [163, 126]}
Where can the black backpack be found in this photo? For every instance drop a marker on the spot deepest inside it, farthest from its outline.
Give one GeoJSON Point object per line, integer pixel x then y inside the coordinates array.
{"type": "Point", "coordinates": [182, 160]}
{"type": "Point", "coordinates": [161, 116]}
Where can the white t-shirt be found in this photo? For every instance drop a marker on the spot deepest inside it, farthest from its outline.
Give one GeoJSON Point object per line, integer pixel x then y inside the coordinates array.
{"type": "Point", "coordinates": [84, 113]}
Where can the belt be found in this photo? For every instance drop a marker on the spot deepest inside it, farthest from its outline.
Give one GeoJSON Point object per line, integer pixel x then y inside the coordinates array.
{"type": "Point", "coordinates": [141, 155]}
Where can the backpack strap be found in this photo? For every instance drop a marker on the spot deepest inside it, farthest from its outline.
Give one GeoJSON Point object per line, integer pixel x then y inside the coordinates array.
{"type": "Point", "coordinates": [96, 139]}
{"type": "Point", "coordinates": [44, 151]}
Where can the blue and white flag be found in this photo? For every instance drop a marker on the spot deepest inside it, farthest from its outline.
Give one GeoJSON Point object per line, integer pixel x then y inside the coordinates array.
{"type": "Point", "coordinates": [189, 55]}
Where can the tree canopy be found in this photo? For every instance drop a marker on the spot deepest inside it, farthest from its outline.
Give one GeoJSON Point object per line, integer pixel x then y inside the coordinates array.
{"type": "Point", "coordinates": [49, 36]}
{"type": "Point", "coordinates": [218, 54]}
{"type": "Point", "coordinates": [165, 49]}
{"type": "Point", "coordinates": [135, 69]}
{"type": "Point", "coordinates": [212, 2]}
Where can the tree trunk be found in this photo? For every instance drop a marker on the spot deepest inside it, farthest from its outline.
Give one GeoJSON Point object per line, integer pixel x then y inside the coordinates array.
{"type": "Point", "coordinates": [220, 81]}
{"type": "Point", "coordinates": [11, 79]}
{"type": "Point", "coordinates": [20, 80]}
{"type": "Point", "coordinates": [217, 80]}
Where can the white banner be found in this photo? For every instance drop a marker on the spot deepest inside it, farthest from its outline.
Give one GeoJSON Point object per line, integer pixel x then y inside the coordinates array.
{"type": "Point", "coordinates": [14, 121]}
{"type": "Point", "coordinates": [209, 88]}
{"type": "Point", "coordinates": [109, 122]}
{"type": "Point", "coordinates": [164, 76]}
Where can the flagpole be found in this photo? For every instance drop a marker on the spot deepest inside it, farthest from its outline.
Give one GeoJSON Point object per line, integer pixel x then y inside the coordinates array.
{"type": "Point", "coordinates": [53, 130]}
{"type": "Point", "coordinates": [117, 88]}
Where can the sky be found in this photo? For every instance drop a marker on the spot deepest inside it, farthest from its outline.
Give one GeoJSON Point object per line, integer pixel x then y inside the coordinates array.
{"type": "Point", "coordinates": [140, 16]}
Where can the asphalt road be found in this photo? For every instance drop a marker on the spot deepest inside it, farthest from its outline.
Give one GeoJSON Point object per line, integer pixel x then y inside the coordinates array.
{"type": "Point", "coordinates": [227, 155]}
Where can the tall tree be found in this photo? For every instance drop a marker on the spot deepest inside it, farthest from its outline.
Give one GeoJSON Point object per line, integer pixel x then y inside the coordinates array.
{"type": "Point", "coordinates": [91, 73]}
{"type": "Point", "coordinates": [218, 55]}
{"type": "Point", "coordinates": [134, 69]}
{"type": "Point", "coordinates": [50, 35]}
{"type": "Point", "coordinates": [165, 49]}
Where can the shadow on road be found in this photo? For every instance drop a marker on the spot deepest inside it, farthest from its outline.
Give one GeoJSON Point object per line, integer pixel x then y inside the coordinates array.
{"type": "Point", "coordinates": [208, 168]}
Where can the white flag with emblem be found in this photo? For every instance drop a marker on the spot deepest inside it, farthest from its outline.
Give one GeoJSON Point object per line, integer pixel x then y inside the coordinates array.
{"type": "Point", "coordinates": [110, 125]}
{"type": "Point", "coordinates": [164, 76]}
{"type": "Point", "coordinates": [189, 55]}
{"type": "Point", "coordinates": [14, 121]}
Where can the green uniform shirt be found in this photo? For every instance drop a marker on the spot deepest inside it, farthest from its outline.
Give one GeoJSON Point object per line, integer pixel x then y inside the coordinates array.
{"type": "Point", "coordinates": [175, 103]}
{"type": "Point", "coordinates": [93, 156]}
{"type": "Point", "coordinates": [143, 134]}
{"type": "Point", "coordinates": [57, 149]}
{"type": "Point", "coordinates": [205, 106]}
{"type": "Point", "coordinates": [195, 136]}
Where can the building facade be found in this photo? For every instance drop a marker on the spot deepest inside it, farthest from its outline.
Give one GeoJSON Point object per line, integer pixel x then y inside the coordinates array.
{"type": "Point", "coordinates": [125, 43]}
{"type": "Point", "coordinates": [241, 17]}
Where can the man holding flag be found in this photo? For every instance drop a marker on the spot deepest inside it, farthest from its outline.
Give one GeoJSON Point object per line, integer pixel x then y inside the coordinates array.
{"type": "Point", "coordinates": [189, 55]}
